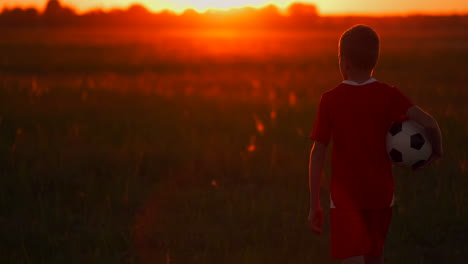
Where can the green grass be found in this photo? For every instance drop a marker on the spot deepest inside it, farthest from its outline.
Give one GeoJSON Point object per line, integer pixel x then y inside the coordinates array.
{"type": "Point", "coordinates": [117, 153]}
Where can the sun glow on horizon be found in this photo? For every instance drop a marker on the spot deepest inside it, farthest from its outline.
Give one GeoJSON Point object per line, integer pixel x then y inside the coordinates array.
{"type": "Point", "coordinates": [177, 6]}
{"type": "Point", "coordinates": [205, 5]}
{"type": "Point", "coordinates": [325, 7]}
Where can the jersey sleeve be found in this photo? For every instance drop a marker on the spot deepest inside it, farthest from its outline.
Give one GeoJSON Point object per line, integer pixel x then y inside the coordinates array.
{"type": "Point", "coordinates": [322, 126]}
{"type": "Point", "coordinates": [400, 104]}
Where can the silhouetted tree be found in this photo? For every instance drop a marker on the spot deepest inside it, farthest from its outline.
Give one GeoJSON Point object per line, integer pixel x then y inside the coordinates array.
{"type": "Point", "coordinates": [138, 10]}
{"type": "Point", "coordinates": [270, 16]}
{"type": "Point", "coordinates": [190, 18]}
{"type": "Point", "coordinates": [137, 15]}
{"type": "Point", "coordinates": [302, 15]}
{"type": "Point", "coordinates": [56, 14]}
{"type": "Point", "coordinates": [300, 10]}
{"type": "Point", "coordinates": [19, 17]}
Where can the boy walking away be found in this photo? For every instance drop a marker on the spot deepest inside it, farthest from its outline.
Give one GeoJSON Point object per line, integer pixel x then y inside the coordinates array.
{"type": "Point", "coordinates": [356, 115]}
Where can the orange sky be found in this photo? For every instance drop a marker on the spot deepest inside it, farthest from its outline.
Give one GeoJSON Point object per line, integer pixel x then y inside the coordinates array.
{"type": "Point", "coordinates": [326, 7]}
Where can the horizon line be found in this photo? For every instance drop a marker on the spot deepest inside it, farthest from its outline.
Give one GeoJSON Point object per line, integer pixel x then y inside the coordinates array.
{"type": "Point", "coordinates": [282, 10]}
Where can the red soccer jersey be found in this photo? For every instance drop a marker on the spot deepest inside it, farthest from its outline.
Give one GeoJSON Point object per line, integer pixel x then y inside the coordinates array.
{"type": "Point", "coordinates": [357, 118]}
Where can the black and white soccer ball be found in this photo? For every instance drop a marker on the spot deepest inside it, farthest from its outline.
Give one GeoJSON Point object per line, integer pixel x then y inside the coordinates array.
{"type": "Point", "coordinates": [407, 144]}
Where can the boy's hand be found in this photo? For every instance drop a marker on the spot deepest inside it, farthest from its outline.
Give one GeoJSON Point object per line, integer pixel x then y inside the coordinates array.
{"type": "Point", "coordinates": [316, 219]}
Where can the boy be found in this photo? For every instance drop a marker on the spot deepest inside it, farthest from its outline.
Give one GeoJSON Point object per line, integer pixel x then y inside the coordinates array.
{"type": "Point", "coordinates": [356, 115]}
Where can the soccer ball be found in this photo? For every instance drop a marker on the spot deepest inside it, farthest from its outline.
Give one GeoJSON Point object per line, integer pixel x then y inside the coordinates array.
{"type": "Point", "coordinates": [407, 144]}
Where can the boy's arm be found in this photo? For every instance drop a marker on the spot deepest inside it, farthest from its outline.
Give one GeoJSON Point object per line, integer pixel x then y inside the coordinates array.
{"type": "Point", "coordinates": [317, 160]}
{"type": "Point", "coordinates": [432, 127]}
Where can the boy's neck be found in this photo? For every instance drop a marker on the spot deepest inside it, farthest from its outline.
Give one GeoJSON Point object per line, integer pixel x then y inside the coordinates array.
{"type": "Point", "coordinates": [358, 77]}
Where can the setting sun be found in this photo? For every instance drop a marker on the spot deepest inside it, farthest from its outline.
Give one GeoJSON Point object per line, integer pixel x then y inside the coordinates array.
{"type": "Point", "coordinates": [325, 7]}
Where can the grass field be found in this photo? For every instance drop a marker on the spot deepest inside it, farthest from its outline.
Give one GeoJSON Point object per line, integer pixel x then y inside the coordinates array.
{"type": "Point", "coordinates": [192, 147]}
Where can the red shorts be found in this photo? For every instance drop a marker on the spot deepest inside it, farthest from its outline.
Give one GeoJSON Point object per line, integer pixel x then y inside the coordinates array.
{"type": "Point", "coordinates": [358, 233]}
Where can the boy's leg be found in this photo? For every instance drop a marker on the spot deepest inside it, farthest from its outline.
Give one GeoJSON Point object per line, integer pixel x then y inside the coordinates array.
{"type": "Point", "coordinates": [353, 260]}
{"type": "Point", "coordinates": [359, 233]}
{"type": "Point", "coordinates": [379, 223]}
{"type": "Point", "coordinates": [373, 260]}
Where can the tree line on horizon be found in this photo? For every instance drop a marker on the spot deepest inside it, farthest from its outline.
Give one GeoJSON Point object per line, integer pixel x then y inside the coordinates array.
{"type": "Point", "coordinates": [298, 15]}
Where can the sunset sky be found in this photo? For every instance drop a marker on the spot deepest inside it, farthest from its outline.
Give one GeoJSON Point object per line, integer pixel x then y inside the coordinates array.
{"type": "Point", "coordinates": [326, 7]}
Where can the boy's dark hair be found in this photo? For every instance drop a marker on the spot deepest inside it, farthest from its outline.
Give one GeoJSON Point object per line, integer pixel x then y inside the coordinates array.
{"type": "Point", "coordinates": [360, 46]}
